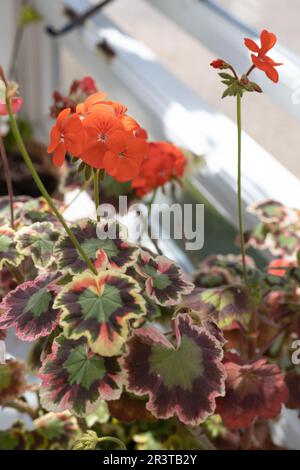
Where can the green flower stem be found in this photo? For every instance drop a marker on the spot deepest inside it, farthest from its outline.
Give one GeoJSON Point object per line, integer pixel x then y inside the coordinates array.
{"type": "Point", "coordinates": [39, 183]}
{"type": "Point", "coordinates": [113, 439]}
{"type": "Point", "coordinates": [153, 240]}
{"type": "Point", "coordinates": [239, 191]}
{"type": "Point", "coordinates": [8, 180]}
{"type": "Point", "coordinates": [83, 188]}
{"type": "Point", "coordinates": [96, 192]}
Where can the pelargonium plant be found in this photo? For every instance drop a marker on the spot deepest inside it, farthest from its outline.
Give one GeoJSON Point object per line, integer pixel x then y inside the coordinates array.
{"type": "Point", "coordinates": [129, 349]}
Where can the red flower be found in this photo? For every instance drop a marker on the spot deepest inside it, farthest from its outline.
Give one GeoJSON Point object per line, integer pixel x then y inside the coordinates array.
{"type": "Point", "coordinates": [219, 64]}
{"type": "Point", "coordinates": [66, 136]}
{"type": "Point", "coordinates": [277, 263]}
{"type": "Point", "coordinates": [261, 60]}
{"type": "Point", "coordinates": [16, 104]}
{"type": "Point", "coordinates": [124, 156]}
{"type": "Point", "coordinates": [163, 162]}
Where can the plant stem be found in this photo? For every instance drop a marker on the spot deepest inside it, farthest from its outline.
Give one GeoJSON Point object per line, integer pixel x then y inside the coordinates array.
{"type": "Point", "coordinates": [40, 185]}
{"type": "Point", "coordinates": [8, 180]}
{"type": "Point", "coordinates": [153, 240]}
{"type": "Point", "coordinates": [250, 70]}
{"type": "Point", "coordinates": [239, 191]}
{"type": "Point", "coordinates": [113, 439]}
{"type": "Point", "coordinates": [22, 407]}
{"type": "Point", "coordinates": [83, 188]}
{"type": "Point", "coordinates": [96, 192]}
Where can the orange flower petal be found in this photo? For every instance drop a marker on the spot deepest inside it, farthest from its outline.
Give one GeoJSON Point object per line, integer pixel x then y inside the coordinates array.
{"type": "Point", "coordinates": [268, 40]}
{"type": "Point", "coordinates": [60, 120]}
{"type": "Point", "coordinates": [272, 74]}
{"type": "Point", "coordinates": [93, 154]}
{"type": "Point", "coordinates": [129, 123]}
{"type": "Point", "coordinates": [73, 125]}
{"type": "Point", "coordinates": [59, 154]}
{"type": "Point", "coordinates": [251, 45]}
{"type": "Point", "coordinates": [55, 136]}
{"type": "Point", "coordinates": [122, 169]}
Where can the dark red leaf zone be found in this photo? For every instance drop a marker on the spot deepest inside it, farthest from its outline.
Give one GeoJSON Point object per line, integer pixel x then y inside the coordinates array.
{"type": "Point", "coordinates": [29, 308]}
{"type": "Point", "coordinates": [164, 280]}
{"type": "Point", "coordinates": [75, 379]}
{"type": "Point", "coordinates": [255, 390]}
{"type": "Point", "coordinates": [183, 380]}
{"type": "Point", "coordinates": [99, 308]}
{"type": "Point", "coordinates": [115, 253]}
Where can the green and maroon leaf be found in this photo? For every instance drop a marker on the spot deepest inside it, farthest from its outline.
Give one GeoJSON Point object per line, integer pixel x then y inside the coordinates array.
{"type": "Point", "coordinates": [259, 237]}
{"type": "Point", "coordinates": [224, 305]}
{"type": "Point", "coordinates": [269, 211]}
{"type": "Point", "coordinates": [182, 380]}
{"type": "Point", "coordinates": [38, 241]}
{"type": "Point", "coordinates": [61, 427]}
{"type": "Point", "coordinates": [130, 408]}
{"type": "Point", "coordinates": [9, 255]}
{"type": "Point", "coordinates": [116, 253]}
{"type": "Point", "coordinates": [76, 379]}
{"type": "Point", "coordinates": [12, 381]}
{"type": "Point", "coordinates": [29, 308]}
{"type": "Point", "coordinates": [165, 281]}
{"type": "Point", "coordinates": [255, 390]}
{"type": "Point", "coordinates": [99, 308]}
{"type": "Point", "coordinates": [220, 270]}
{"type": "Point", "coordinates": [286, 242]}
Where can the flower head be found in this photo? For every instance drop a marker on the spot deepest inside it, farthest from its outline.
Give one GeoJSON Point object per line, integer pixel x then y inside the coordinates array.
{"type": "Point", "coordinates": [124, 155]}
{"type": "Point", "coordinates": [101, 134]}
{"type": "Point", "coordinates": [262, 61]}
{"type": "Point", "coordinates": [66, 136]}
{"type": "Point", "coordinates": [163, 162]}
{"type": "Point", "coordinates": [98, 127]}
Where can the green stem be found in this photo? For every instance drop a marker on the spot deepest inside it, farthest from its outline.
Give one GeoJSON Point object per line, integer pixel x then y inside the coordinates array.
{"type": "Point", "coordinates": [83, 188]}
{"type": "Point", "coordinates": [153, 240]}
{"type": "Point", "coordinates": [8, 181]}
{"type": "Point", "coordinates": [113, 439]}
{"type": "Point", "coordinates": [239, 192]}
{"type": "Point", "coordinates": [96, 192]}
{"type": "Point", "coordinates": [39, 183]}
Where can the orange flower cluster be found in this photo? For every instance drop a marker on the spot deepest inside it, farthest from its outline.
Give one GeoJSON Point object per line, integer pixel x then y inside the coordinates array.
{"type": "Point", "coordinates": [102, 135]}
{"type": "Point", "coordinates": [163, 162]}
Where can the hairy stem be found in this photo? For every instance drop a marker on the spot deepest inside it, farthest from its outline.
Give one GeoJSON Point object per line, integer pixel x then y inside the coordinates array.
{"type": "Point", "coordinates": [113, 439]}
{"type": "Point", "coordinates": [239, 189]}
{"type": "Point", "coordinates": [40, 185]}
{"type": "Point", "coordinates": [8, 181]}
{"type": "Point", "coordinates": [250, 70]}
